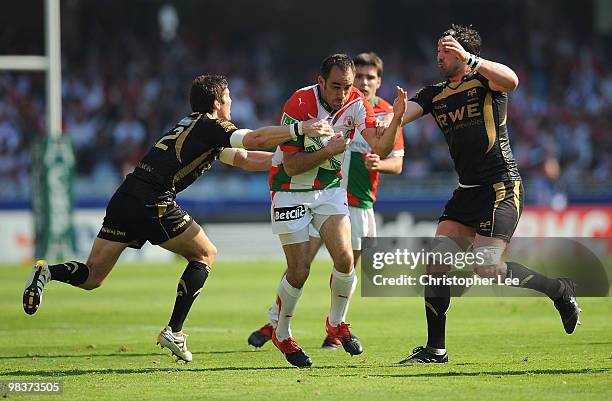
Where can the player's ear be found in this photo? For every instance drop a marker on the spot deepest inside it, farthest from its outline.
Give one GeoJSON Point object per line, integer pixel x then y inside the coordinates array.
{"type": "Point", "coordinates": [216, 105]}
{"type": "Point", "coordinates": [321, 81]}
{"type": "Point", "coordinates": [378, 82]}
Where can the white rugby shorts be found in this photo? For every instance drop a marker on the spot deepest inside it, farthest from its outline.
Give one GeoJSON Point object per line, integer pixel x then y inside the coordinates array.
{"type": "Point", "coordinates": [292, 212]}
{"type": "Point", "coordinates": [363, 224]}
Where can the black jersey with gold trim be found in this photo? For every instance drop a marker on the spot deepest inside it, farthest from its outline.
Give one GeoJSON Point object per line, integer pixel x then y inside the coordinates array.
{"type": "Point", "coordinates": [178, 158]}
{"type": "Point", "coordinates": [473, 119]}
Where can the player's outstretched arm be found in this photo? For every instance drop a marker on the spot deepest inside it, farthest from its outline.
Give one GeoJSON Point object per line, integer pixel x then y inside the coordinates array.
{"type": "Point", "coordinates": [383, 145]}
{"type": "Point", "coordinates": [413, 111]}
{"type": "Point", "coordinates": [299, 162]}
{"type": "Point", "coordinates": [501, 77]}
{"type": "Point", "coordinates": [248, 160]}
{"type": "Point", "coordinates": [269, 137]}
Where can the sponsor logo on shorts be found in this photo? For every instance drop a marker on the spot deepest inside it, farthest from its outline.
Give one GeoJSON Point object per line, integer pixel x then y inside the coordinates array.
{"type": "Point", "coordinates": [179, 225]}
{"type": "Point", "coordinates": [117, 233]}
{"type": "Point", "coordinates": [485, 225]}
{"type": "Point", "coordinates": [289, 213]}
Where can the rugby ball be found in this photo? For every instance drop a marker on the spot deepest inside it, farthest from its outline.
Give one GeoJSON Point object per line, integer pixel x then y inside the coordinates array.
{"type": "Point", "coordinates": [314, 144]}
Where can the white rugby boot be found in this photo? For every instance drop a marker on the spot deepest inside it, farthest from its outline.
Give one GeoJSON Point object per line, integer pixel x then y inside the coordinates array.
{"type": "Point", "coordinates": [35, 285]}
{"type": "Point", "coordinates": [175, 342]}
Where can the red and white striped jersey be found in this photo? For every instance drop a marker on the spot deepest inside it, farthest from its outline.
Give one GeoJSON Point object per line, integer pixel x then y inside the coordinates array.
{"type": "Point", "coordinates": [307, 103]}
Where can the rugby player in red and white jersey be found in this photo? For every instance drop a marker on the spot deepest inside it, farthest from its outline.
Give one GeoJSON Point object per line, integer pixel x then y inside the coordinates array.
{"type": "Point", "coordinates": [305, 189]}
{"type": "Point", "coordinates": [361, 167]}
{"type": "Point", "coordinates": [360, 177]}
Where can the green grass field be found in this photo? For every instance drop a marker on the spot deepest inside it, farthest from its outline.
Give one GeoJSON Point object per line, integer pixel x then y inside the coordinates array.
{"type": "Point", "coordinates": [101, 344]}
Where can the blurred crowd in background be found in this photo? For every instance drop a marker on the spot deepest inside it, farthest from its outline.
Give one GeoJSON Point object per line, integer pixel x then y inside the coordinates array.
{"type": "Point", "coordinates": [123, 88]}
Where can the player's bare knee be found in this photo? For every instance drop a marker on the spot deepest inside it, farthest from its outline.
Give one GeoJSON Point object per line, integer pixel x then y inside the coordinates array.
{"type": "Point", "coordinates": [301, 277]}
{"type": "Point", "coordinates": [206, 254]}
{"type": "Point", "coordinates": [213, 251]}
{"type": "Point", "coordinates": [303, 268]}
{"type": "Point", "coordinates": [489, 263]}
{"type": "Point", "coordinates": [209, 255]}
{"type": "Point", "coordinates": [298, 274]}
{"type": "Point", "coordinates": [344, 262]}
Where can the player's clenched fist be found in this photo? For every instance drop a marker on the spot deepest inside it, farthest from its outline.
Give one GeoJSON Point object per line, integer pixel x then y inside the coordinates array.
{"type": "Point", "coordinates": [336, 145]}
{"type": "Point", "coordinates": [372, 162]}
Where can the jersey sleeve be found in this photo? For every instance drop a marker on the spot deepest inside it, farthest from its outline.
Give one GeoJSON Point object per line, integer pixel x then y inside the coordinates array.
{"type": "Point", "coordinates": [365, 117]}
{"type": "Point", "coordinates": [293, 113]}
{"type": "Point", "coordinates": [398, 146]}
{"type": "Point", "coordinates": [370, 116]}
{"type": "Point", "coordinates": [482, 80]}
{"type": "Point", "coordinates": [423, 98]}
{"type": "Point", "coordinates": [218, 133]}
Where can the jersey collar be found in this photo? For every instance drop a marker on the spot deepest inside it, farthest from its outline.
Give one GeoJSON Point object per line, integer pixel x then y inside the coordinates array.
{"type": "Point", "coordinates": [465, 78]}
{"type": "Point", "coordinates": [322, 101]}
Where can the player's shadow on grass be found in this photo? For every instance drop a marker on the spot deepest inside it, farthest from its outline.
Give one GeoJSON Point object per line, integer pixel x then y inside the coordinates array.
{"type": "Point", "coordinates": [598, 343]}
{"type": "Point", "coordinates": [506, 373]}
{"type": "Point", "coordinates": [81, 372]}
{"type": "Point", "coordinates": [113, 354]}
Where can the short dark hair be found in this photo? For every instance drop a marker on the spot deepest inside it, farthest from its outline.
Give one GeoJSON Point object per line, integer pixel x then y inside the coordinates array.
{"type": "Point", "coordinates": [205, 89]}
{"type": "Point", "coordinates": [468, 37]}
{"type": "Point", "coordinates": [341, 61]}
{"type": "Point", "coordinates": [369, 59]}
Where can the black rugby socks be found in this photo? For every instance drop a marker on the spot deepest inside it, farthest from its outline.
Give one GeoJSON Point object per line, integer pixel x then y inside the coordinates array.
{"type": "Point", "coordinates": [437, 301]}
{"type": "Point", "coordinates": [189, 287]}
{"type": "Point", "coordinates": [534, 280]}
{"type": "Point", "coordinates": [73, 272]}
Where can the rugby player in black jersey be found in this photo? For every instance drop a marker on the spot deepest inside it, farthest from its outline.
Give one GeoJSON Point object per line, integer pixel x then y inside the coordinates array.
{"type": "Point", "coordinates": [144, 208]}
{"type": "Point", "coordinates": [470, 107]}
